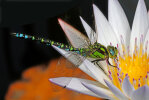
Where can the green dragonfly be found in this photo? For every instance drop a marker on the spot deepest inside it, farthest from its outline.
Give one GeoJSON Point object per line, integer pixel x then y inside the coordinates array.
{"type": "Point", "coordinates": [95, 51]}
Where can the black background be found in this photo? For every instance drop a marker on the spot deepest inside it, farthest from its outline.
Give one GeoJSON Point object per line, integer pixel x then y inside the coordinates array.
{"type": "Point", "coordinates": [39, 18]}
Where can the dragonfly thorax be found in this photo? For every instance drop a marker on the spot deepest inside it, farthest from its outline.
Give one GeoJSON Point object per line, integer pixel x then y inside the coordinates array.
{"type": "Point", "coordinates": [98, 51]}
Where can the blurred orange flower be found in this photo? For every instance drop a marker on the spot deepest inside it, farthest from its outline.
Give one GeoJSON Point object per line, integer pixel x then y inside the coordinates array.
{"type": "Point", "coordinates": [34, 84]}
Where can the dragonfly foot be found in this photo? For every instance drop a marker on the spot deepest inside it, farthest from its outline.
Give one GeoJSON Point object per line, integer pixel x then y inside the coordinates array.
{"type": "Point", "coordinates": [109, 63]}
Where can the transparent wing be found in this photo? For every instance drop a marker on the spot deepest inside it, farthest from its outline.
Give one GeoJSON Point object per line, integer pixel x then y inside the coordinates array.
{"type": "Point", "coordinates": [77, 61]}
{"type": "Point", "coordinates": [90, 32]}
{"type": "Point", "coordinates": [76, 38]}
{"type": "Point", "coordinates": [75, 58]}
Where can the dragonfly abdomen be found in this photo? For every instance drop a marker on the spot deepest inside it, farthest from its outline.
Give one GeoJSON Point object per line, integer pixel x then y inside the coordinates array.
{"type": "Point", "coordinates": [48, 42]}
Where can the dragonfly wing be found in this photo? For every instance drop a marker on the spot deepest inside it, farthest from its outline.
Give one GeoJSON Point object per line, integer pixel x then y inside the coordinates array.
{"type": "Point", "coordinates": [90, 32]}
{"type": "Point", "coordinates": [75, 58]}
{"type": "Point", "coordinates": [72, 57]}
{"type": "Point", "coordinates": [76, 62]}
{"type": "Point", "coordinates": [76, 38]}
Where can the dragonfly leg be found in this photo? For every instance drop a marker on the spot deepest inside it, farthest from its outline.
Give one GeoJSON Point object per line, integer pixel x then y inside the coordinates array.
{"type": "Point", "coordinates": [107, 60]}
{"type": "Point", "coordinates": [95, 62]}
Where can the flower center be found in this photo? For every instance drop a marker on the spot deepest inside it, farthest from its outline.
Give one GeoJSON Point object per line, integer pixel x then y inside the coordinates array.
{"type": "Point", "coordinates": [136, 67]}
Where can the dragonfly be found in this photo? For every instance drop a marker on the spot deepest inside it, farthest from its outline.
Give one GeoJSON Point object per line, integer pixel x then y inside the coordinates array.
{"type": "Point", "coordinates": [96, 51]}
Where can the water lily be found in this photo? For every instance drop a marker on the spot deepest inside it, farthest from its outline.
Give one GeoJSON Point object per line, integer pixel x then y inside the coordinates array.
{"type": "Point", "coordinates": [130, 80]}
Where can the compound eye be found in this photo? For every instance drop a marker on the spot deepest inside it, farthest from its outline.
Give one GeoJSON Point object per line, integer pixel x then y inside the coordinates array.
{"type": "Point", "coordinates": [112, 52]}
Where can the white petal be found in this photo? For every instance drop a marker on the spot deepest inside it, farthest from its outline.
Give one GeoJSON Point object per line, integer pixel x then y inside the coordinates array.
{"type": "Point", "coordinates": [116, 91]}
{"type": "Point", "coordinates": [140, 25]}
{"type": "Point", "coordinates": [74, 84]}
{"type": "Point", "coordinates": [105, 32]}
{"type": "Point", "coordinates": [90, 33]}
{"type": "Point", "coordinates": [118, 20]}
{"type": "Point", "coordinates": [87, 71]}
{"type": "Point", "coordinates": [96, 71]}
{"type": "Point", "coordinates": [141, 94]}
{"type": "Point", "coordinates": [127, 87]}
{"type": "Point", "coordinates": [76, 38]}
{"type": "Point", "coordinates": [101, 92]}
{"type": "Point", "coordinates": [146, 43]}
{"type": "Point", "coordinates": [66, 54]}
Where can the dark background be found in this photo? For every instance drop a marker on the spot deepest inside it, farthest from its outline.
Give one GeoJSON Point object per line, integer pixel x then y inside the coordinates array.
{"type": "Point", "coordinates": [39, 18]}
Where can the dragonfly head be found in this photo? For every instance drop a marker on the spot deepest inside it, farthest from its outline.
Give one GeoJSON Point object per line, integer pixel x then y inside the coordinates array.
{"type": "Point", "coordinates": [112, 52]}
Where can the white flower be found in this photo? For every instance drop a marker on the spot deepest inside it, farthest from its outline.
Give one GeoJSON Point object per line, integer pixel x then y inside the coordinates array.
{"type": "Point", "coordinates": [131, 79]}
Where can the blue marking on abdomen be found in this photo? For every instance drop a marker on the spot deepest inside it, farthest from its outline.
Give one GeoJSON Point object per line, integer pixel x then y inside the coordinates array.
{"type": "Point", "coordinates": [78, 52]}
{"type": "Point", "coordinates": [48, 44]}
{"type": "Point", "coordinates": [26, 36]}
{"type": "Point", "coordinates": [17, 35]}
{"type": "Point", "coordinates": [21, 35]}
{"type": "Point", "coordinates": [67, 49]}
{"type": "Point", "coordinates": [84, 54]}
